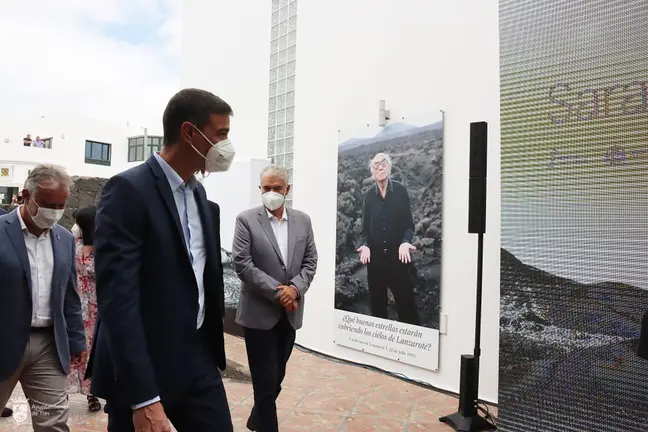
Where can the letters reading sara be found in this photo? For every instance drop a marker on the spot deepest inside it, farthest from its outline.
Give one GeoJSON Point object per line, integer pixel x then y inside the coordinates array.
{"type": "Point", "coordinates": [569, 104]}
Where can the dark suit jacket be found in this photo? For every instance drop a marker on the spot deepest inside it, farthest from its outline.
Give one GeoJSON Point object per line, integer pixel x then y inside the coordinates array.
{"type": "Point", "coordinates": [215, 211]}
{"type": "Point", "coordinates": [642, 350]}
{"type": "Point", "coordinates": [16, 296]}
{"type": "Point", "coordinates": [147, 292]}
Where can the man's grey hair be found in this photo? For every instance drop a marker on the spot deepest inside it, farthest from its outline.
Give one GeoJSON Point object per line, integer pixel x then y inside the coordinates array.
{"type": "Point", "coordinates": [385, 156]}
{"type": "Point", "coordinates": [47, 176]}
{"type": "Point", "coordinates": [276, 170]}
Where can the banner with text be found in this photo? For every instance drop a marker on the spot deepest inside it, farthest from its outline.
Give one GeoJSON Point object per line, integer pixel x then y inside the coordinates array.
{"type": "Point", "coordinates": [418, 346]}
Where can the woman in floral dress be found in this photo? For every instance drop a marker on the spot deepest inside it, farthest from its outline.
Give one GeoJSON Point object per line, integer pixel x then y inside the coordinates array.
{"type": "Point", "coordinates": [83, 234]}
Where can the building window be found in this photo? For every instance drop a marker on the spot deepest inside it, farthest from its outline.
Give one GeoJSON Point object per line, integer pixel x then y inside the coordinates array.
{"type": "Point", "coordinates": [47, 143]}
{"type": "Point", "coordinates": [281, 94]}
{"type": "Point", "coordinates": [97, 153]}
{"type": "Point", "coordinates": [137, 151]}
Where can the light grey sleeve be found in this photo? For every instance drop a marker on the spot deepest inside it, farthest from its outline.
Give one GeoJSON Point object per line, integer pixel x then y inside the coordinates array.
{"type": "Point", "coordinates": [251, 275]}
{"type": "Point", "coordinates": [309, 263]}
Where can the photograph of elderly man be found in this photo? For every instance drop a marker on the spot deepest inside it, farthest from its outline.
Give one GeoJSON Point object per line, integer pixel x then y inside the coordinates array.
{"type": "Point", "coordinates": [388, 248]}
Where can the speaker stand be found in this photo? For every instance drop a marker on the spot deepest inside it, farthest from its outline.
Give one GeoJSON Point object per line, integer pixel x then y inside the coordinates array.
{"type": "Point", "coordinates": [467, 418]}
{"type": "Point", "coordinates": [467, 424]}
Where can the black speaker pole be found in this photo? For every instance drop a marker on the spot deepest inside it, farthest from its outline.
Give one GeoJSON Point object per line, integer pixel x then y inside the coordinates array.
{"type": "Point", "coordinates": [467, 418]}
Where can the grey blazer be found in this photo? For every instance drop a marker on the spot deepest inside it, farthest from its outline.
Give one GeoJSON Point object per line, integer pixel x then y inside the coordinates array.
{"type": "Point", "coordinates": [16, 296]}
{"type": "Point", "coordinates": [259, 265]}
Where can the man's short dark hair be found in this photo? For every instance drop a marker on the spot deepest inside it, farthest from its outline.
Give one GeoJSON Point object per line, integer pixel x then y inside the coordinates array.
{"type": "Point", "coordinates": [191, 105]}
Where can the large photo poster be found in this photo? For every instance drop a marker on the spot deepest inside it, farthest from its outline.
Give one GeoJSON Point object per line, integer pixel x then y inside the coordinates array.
{"type": "Point", "coordinates": [574, 259]}
{"type": "Point", "coordinates": [388, 248]}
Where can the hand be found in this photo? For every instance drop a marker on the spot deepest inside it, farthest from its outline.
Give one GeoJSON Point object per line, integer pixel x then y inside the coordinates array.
{"type": "Point", "coordinates": [287, 295]}
{"type": "Point", "coordinates": [404, 253]}
{"type": "Point", "coordinates": [151, 418]}
{"type": "Point", "coordinates": [79, 359]}
{"type": "Point", "coordinates": [291, 307]}
{"type": "Point", "coordinates": [365, 254]}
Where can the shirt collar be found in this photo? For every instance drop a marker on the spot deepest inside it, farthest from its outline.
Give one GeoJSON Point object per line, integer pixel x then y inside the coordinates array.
{"type": "Point", "coordinates": [284, 216]}
{"type": "Point", "coordinates": [175, 181]}
{"type": "Point", "coordinates": [389, 187]}
{"type": "Point", "coordinates": [23, 226]}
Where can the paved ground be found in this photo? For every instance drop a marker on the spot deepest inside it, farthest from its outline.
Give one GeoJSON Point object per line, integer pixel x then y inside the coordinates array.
{"type": "Point", "coordinates": [318, 395]}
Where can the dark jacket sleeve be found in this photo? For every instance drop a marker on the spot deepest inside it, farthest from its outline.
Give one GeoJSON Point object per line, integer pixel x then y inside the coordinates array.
{"type": "Point", "coordinates": [215, 210]}
{"type": "Point", "coordinates": [72, 310]}
{"type": "Point", "coordinates": [120, 227]}
{"type": "Point", "coordinates": [366, 226]}
{"type": "Point", "coordinates": [408, 221]}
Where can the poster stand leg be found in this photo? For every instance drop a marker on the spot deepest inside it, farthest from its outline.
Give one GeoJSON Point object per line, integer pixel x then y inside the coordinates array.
{"type": "Point", "coordinates": [467, 418]}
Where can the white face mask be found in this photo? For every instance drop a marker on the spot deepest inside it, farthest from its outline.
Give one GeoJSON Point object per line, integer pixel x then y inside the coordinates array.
{"type": "Point", "coordinates": [272, 200]}
{"type": "Point", "coordinates": [45, 218]}
{"type": "Point", "coordinates": [219, 157]}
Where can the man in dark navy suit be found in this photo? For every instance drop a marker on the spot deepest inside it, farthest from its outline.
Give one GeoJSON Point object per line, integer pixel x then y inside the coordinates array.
{"type": "Point", "coordinates": [160, 340]}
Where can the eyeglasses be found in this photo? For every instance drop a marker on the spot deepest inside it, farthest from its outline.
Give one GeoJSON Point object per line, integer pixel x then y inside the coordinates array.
{"type": "Point", "coordinates": [382, 164]}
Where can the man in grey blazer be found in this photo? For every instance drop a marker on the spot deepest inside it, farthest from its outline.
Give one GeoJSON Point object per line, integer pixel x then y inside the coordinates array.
{"type": "Point", "coordinates": [40, 310]}
{"type": "Point", "coordinates": [275, 257]}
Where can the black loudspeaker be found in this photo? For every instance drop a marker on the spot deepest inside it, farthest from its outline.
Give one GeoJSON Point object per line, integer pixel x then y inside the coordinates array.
{"type": "Point", "coordinates": [477, 178]}
{"type": "Point", "coordinates": [468, 391]}
{"type": "Point", "coordinates": [467, 418]}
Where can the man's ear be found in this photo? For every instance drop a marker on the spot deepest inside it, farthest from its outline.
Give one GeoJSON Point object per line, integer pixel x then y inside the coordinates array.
{"type": "Point", "coordinates": [186, 131]}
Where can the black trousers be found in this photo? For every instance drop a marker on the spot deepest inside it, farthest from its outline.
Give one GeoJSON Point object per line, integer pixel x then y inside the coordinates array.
{"type": "Point", "coordinates": [385, 271]}
{"type": "Point", "coordinates": [268, 352]}
{"type": "Point", "coordinates": [203, 408]}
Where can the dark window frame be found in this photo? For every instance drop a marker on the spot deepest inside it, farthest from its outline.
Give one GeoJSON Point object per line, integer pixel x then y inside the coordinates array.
{"type": "Point", "coordinates": [138, 150]}
{"type": "Point", "coordinates": [104, 148]}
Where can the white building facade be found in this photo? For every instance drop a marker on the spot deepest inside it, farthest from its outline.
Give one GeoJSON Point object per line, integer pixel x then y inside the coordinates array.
{"type": "Point", "coordinates": [417, 55]}
{"type": "Point", "coordinates": [84, 147]}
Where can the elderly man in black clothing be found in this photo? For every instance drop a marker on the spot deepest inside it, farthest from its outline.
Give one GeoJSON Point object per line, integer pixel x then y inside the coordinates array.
{"type": "Point", "coordinates": [387, 233]}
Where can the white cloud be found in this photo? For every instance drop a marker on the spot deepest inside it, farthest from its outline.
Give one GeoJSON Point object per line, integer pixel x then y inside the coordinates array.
{"type": "Point", "coordinates": [58, 58]}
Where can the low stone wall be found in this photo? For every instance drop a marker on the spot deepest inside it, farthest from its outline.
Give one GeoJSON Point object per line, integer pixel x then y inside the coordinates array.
{"type": "Point", "coordinates": [85, 191]}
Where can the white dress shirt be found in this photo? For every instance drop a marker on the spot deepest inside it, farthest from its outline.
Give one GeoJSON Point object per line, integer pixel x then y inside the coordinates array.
{"type": "Point", "coordinates": [196, 248]}
{"type": "Point", "coordinates": [280, 230]}
{"type": "Point", "coordinates": [41, 266]}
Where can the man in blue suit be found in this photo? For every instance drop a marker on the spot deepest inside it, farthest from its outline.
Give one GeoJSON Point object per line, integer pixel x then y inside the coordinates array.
{"type": "Point", "coordinates": [160, 339]}
{"type": "Point", "coordinates": [41, 327]}
{"type": "Point", "coordinates": [6, 412]}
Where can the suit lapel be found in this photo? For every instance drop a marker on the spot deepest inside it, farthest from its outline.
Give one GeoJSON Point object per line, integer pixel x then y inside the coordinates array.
{"type": "Point", "coordinates": [164, 189]}
{"type": "Point", "coordinates": [15, 233]}
{"type": "Point", "coordinates": [265, 223]}
{"type": "Point", "coordinates": [291, 239]}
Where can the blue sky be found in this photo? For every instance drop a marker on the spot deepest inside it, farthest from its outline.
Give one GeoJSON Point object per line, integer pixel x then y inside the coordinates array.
{"type": "Point", "coordinates": [90, 58]}
{"type": "Point", "coordinates": [134, 32]}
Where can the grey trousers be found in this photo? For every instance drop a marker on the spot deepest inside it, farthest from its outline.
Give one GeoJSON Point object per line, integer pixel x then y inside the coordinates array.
{"type": "Point", "coordinates": [44, 384]}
